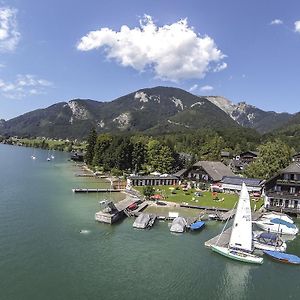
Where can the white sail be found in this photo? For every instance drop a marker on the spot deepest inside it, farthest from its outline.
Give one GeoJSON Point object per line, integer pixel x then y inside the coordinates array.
{"type": "Point", "coordinates": [241, 235]}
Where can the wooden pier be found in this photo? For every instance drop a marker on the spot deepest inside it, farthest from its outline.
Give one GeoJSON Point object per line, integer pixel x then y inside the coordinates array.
{"type": "Point", "coordinates": [76, 190]}
{"type": "Point", "coordinates": [207, 208]}
{"type": "Point", "coordinates": [223, 238]}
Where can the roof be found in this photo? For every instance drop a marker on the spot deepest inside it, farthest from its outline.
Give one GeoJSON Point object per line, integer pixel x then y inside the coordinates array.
{"type": "Point", "coordinates": [294, 167]}
{"type": "Point", "coordinates": [255, 153]}
{"type": "Point", "coordinates": [180, 173]}
{"type": "Point", "coordinates": [236, 180]}
{"type": "Point", "coordinates": [142, 177]}
{"type": "Point", "coordinates": [215, 169]}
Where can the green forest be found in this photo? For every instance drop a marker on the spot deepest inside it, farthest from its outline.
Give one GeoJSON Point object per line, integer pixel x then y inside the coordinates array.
{"type": "Point", "coordinates": [167, 153]}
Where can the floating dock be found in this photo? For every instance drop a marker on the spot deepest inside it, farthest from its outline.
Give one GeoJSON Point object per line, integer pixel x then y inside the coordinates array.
{"type": "Point", "coordinates": [222, 239]}
{"type": "Point", "coordinates": [96, 190]}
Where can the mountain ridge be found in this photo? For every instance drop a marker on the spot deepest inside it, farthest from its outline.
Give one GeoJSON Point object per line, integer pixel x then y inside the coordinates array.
{"type": "Point", "coordinates": [150, 110]}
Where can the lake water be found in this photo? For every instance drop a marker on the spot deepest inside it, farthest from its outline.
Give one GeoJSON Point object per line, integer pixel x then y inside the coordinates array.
{"type": "Point", "coordinates": [43, 255]}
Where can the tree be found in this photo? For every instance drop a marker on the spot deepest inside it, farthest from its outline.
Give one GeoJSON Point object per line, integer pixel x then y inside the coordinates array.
{"type": "Point", "coordinates": [102, 144]}
{"type": "Point", "coordinates": [148, 191]}
{"type": "Point", "coordinates": [273, 156]}
{"type": "Point", "coordinates": [138, 155]}
{"type": "Point", "coordinates": [90, 149]}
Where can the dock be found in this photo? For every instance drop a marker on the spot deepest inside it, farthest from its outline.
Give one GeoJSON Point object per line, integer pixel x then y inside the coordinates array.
{"type": "Point", "coordinates": [223, 239]}
{"type": "Point", "coordinates": [114, 211]}
{"type": "Point", "coordinates": [207, 208]}
{"type": "Point", "coordinates": [76, 190]}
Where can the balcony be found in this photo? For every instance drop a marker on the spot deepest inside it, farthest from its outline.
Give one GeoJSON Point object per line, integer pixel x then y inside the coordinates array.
{"type": "Point", "coordinates": [283, 195]}
{"type": "Point", "coordinates": [288, 182]}
{"type": "Point", "coordinates": [284, 209]}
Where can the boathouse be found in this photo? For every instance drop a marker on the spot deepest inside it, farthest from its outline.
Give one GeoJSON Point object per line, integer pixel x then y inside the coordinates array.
{"type": "Point", "coordinates": [282, 191]}
{"type": "Point", "coordinates": [151, 180]}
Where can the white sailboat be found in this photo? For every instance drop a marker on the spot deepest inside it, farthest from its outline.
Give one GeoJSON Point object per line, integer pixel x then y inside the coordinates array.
{"type": "Point", "coordinates": [240, 243]}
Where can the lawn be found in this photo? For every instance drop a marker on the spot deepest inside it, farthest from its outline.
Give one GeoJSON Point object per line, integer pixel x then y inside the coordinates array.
{"type": "Point", "coordinates": [223, 200]}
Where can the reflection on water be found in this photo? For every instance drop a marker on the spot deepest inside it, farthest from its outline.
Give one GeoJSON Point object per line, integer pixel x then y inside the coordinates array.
{"type": "Point", "coordinates": [235, 280]}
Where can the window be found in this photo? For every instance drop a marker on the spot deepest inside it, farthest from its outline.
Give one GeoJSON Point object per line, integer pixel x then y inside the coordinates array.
{"type": "Point", "coordinates": [292, 190]}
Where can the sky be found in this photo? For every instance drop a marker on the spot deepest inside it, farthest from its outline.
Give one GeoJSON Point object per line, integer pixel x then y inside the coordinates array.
{"type": "Point", "coordinates": [58, 50]}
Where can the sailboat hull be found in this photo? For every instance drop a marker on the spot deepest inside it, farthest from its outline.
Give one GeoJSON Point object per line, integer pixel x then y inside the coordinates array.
{"type": "Point", "coordinates": [237, 255]}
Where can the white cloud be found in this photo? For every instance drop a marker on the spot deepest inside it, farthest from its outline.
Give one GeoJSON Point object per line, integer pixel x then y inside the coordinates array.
{"type": "Point", "coordinates": [297, 26]}
{"type": "Point", "coordinates": [220, 67]}
{"type": "Point", "coordinates": [23, 86]}
{"type": "Point", "coordinates": [172, 51]}
{"type": "Point", "coordinates": [276, 22]}
{"type": "Point", "coordinates": [207, 88]}
{"type": "Point", "coordinates": [193, 88]}
{"type": "Point", "coordinates": [9, 35]}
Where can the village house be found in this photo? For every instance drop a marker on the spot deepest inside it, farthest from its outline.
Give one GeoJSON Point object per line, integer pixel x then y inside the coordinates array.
{"type": "Point", "coordinates": [296, 157]}
{"type": "Point", "coordinates": [152, 180]}
{"type": "Point", "coordinates": [282, 191]}
{"type": "Point", "coordinates": [239, 163]}
{"type": "Point", "coordinates": [234, 184]}
{"type": "Point", "coordinates": [207, 171]}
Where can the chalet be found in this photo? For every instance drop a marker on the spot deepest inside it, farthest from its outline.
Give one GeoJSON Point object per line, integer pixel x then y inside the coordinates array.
{"type": "Point", "coordinates": [248, 156]}
{"type": "Point", "coordinates": [234, 184]}
{"type": "Point", "coordinates": [283, 190]}
{"type": "Point", "coordinates": [296, 157]}
{"type": "Point", "coordinates": [242, 160]}
{"type": "Point", "coordinates": [208, 171]}
{"type": "Point", "coordinates": [151, 180]}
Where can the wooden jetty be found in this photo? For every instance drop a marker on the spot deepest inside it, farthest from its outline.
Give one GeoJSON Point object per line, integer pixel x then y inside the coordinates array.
{"type": "Point", "coordinates": [77, 190]}
{"type": "Point", "coordinates": [222, 239]}
{"type": "Point", "coordinates": [207, 208]}
{"type": "Point", "coordinates": [227, 215]}
{"type": "Point", "coordinates": [136, 212]}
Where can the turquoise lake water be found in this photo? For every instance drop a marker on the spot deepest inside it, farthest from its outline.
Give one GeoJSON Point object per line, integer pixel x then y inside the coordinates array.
{"type": "Point", "coordinates": [43, 255]}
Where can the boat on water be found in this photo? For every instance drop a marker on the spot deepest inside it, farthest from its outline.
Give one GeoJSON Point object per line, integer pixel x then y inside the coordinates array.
{"type": "Point", "coordinates": [277, 225]}
{"type": "Point", "coordinates": [142, 221]}
{"type": "Point", "coordinates": [197, 225]}
{"type": "Point", "coordinates": [284, 257]}
{"type": "Point", "coordinates": [268, 241]}
{"type": "Point", "coordinates": [178, 225]}
{"type": "Point", "coordinates": [274, 215]}
{"type": "Point", "coordinates": [240, 244]}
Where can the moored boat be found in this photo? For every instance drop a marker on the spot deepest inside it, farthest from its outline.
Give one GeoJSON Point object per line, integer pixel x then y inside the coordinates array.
{"type": "Point", "coordinates": [240, 244]}
{"type": "Point", "coordinates": [178, 225]}
{"type": "Point", "coordinates": [277, 225]}
{"type": "Point", "coordinates": [274, 215]}
{"type": "Point", "coordinates": [268, 241]}
{"type": "Point", "coordinates": [284, 257]}
{"type": "Point", "coordinates": [197, 225]}
{"type": "Point", "coordinates": [142, 221]}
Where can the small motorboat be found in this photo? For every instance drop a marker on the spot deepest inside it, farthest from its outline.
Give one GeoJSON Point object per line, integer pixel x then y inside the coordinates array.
{"type": "Point", "coordinates": [142, 221]}
{"type": "Point", "coordinates": [197, 225]}
{"type": "Point", "coordinates": [284, 257]}
{"type": "Point", "coordinates": [277, 225]}
{"type": "Point", "coordinates": [178, 225]}
{"type": "Point", "coordinates": [274, 215]}
{"type": "Point", "coordinates": [268, 241]}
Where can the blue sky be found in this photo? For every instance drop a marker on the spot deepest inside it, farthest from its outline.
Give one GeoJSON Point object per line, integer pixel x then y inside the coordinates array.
{"type": "Point", "coordinates": [52, 51]}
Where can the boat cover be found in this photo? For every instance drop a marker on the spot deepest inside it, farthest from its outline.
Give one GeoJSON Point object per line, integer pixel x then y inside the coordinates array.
{"type": "Point", "coordinates": [291, 258]}
{"type": "Point", "coordinates": [282, 222]}
{"type": "Point", "coordinates": [197, 225]}
{"type": "Point", "coordinates": [268, 236]}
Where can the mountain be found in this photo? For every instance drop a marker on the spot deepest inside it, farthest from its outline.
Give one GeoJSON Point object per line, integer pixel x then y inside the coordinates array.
{"type": "Point", "coordinates": [250, 116]}
{"type": "Point", "coordinates": [159, 109]}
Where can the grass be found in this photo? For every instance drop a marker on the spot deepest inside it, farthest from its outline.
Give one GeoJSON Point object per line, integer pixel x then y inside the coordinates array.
{"type": "Point", "coordinates": [207, 198]}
